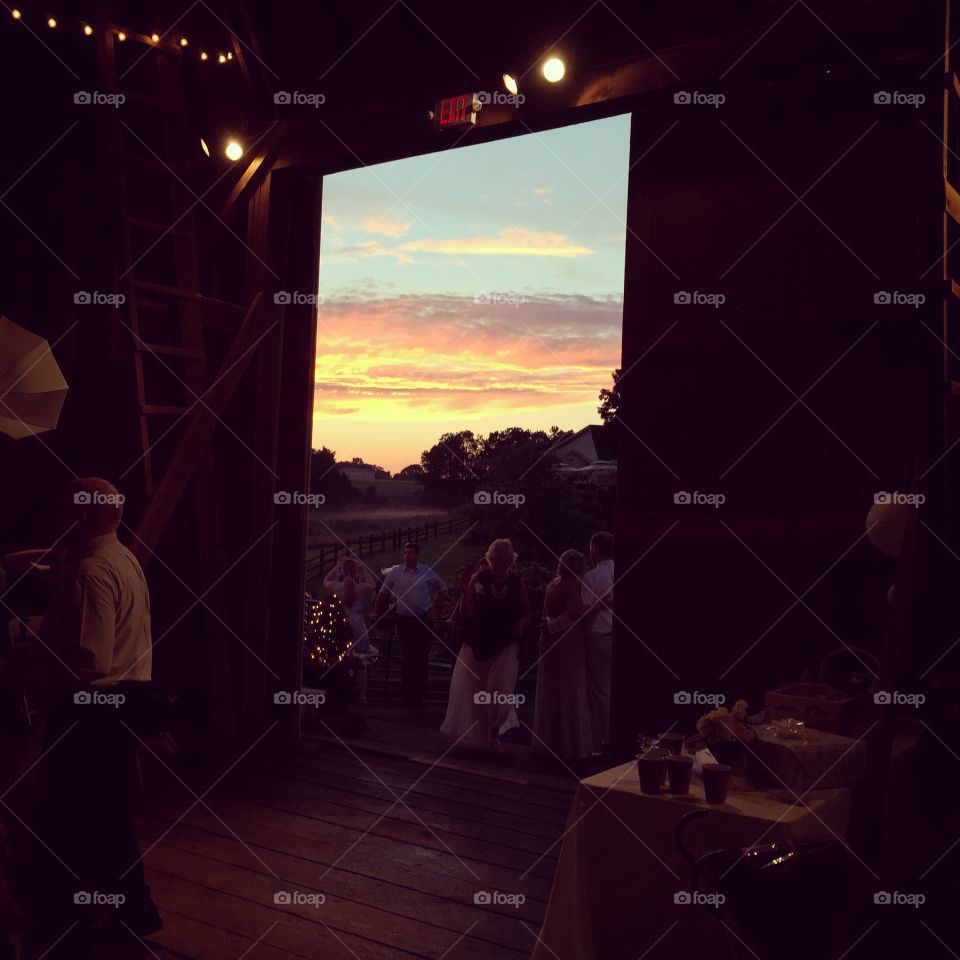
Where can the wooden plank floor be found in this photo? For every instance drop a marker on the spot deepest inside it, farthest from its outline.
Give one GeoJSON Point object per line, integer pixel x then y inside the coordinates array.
{"type": "Point", "coordinates": [323, 850]}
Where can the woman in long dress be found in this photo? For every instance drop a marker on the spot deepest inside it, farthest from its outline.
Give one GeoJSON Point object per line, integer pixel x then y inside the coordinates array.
{"type": "Point", "coordinates": [351, 582]}
{"type": "Point", "coordinates": [496, 608]}
{"type": "Point", "coordinates": [561, 718]}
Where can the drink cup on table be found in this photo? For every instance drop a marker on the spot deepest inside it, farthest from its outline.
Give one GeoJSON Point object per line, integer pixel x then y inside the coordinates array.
{"type": "Point", "coordinates": [679, 771]}
{"type": "Point", "coordinates": [716, 779]}
{"type": "Point", "coordinates": [651, 766]}
{"type": "Point", "coordinates": [673, 742]}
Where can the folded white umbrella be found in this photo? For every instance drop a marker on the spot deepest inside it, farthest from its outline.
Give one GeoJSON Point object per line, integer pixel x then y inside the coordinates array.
{"type": "Point", "coordinates": [32, 388]}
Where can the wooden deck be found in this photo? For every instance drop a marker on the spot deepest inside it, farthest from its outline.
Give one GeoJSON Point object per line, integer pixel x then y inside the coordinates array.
{"type": "Point", "coordinates": [398, 848]}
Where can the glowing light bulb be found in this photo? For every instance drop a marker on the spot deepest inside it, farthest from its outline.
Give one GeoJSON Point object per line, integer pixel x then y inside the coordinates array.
{"type": "Point", "coordinates": [183, 41]}
{"type": "Point", "coordinates": [234, 151]}
{"type": "Point", "coordinates": [221, 59]}
{"type": "Point", "coordinates": [204, 147]}
{"type": "Point", "coordinates": [554, 69]}
{"type": "Point", "coordinates": [155, 37]}
{"type": "Point", "coordinates": [15, 13]}
{"type": "Point", "coordinates": [52, 23]}
{"type": "Point", "coordinates": [87, 30]}
{"type": "Point", "coordinates": [229, 56]}
{"type": "Point", "coordinates": [510, 83]}
{"type": "Point", "coordinates": [203, 55]}
{"type": "Point", "coordinates": [121, 36]}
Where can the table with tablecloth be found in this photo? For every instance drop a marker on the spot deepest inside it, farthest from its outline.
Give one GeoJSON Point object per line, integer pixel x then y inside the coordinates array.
{"type": "Point", "coordinates": [614, 892]}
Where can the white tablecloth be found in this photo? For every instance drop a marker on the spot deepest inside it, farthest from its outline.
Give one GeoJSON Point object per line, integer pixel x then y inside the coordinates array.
{"type": "Point", "coordinates": [613, 894]}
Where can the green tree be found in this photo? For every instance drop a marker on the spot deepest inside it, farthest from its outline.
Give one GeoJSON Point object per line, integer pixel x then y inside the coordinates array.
{"type": "Point", "coordinates": [610, 399]}
{"type": "Point", "coordinates": [449, 466]}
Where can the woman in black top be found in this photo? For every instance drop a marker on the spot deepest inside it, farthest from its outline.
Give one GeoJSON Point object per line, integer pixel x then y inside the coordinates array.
{"type": "Point", "coordinates": [496, 607]}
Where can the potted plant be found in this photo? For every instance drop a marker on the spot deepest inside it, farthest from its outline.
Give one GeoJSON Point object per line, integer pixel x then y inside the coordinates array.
{"type": "Point", "coordinates": [726, 733]}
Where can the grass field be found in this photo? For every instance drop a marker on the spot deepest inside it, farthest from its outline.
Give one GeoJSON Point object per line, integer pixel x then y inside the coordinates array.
{"type": "Point", "coordinates": [404, 507]}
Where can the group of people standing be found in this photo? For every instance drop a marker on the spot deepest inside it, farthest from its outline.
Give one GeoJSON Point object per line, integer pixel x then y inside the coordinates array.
{"type": "Point", "coordinates": [572, 709]}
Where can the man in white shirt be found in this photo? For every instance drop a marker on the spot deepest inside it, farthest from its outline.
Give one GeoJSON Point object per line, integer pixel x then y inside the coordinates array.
{"type": "Point", "coordinates": [409, 584]}
{"type": "Point", "coordinates": [597, 586]}
{"type": "Point", "coordinates": [97, 634]}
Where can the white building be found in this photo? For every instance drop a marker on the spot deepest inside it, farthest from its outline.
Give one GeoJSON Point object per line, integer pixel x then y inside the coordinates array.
{"type": "Point", "coordinates": [353, 472]}
{"type": "Point", "coordinates": [589, 455]}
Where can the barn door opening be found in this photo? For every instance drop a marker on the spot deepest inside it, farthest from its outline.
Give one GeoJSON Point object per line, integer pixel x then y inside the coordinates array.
{"type": "Point", "coordinates": [468, 341]}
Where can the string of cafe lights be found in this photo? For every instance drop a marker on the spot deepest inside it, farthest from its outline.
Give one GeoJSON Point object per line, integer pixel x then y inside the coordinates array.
{"type": "Point", "coordinates": [88, 30]}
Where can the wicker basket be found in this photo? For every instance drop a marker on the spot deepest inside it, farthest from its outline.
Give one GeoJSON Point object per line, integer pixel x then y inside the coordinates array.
{"type": "Point", "coordinates": [818, 705]}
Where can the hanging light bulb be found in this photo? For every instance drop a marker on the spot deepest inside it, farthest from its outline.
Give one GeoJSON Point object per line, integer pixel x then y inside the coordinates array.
{"type": "Point", "coordinates": [229, 56]}
{"type": "Point", "coordinates": [155, 37]}
{"type": "Point", "coordinates": [203, 55]}
{"type": "Point", "coordinates": [204, 147]}
{"type": "Point", "coordinates": [221, 59]}
{"type": "Point", "coordinates": [52, 23]}
{"type": "Point", "coordinates": [87, 30]}
{"type": "Point", "coordinates": [554, 69]}
{"type": "Point", "coordinates": [183, 41]}
{"type": "Point", "coordinates": [510, 82]}
{"type": "Point", "coordinates": [15, 13]}
{"type": "Point", "coordinates": [121, 36]}
{"type": "Point", "coordinates": [234, 151]}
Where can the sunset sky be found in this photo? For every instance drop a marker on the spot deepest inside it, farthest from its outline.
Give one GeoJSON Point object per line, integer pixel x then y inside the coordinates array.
{"type": "Point", "coordinates": [475, 289]}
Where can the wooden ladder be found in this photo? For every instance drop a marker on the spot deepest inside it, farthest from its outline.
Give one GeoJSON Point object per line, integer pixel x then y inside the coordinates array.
{"type": "Point", "coordinates": [158, 271]}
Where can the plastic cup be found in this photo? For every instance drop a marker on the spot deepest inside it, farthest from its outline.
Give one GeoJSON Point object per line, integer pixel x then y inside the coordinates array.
{"type": "Point", "coordinates": [679, 771]}
{"type": "Point", "coordinates": [716, 779]}
{"type": "Point", "coordinates": [650, 766]}
{"type": "Point", "coordinates": [673, 742]}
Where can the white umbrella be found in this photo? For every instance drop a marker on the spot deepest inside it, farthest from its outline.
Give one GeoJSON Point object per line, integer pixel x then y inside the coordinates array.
{"type": "Point", "coordinates": [32, 388]}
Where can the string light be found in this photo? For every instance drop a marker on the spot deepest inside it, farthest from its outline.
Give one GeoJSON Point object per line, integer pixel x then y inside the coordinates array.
{"type": "Point", "coordinates": [16, 13]}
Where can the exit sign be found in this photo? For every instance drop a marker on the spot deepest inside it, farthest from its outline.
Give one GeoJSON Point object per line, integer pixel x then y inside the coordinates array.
{"type": "Point", "coordinates": [455, 111]}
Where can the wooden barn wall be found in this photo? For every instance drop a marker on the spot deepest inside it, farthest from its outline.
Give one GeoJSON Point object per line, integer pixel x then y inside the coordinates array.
{"type": "Point", "coordinates": [796, 399]}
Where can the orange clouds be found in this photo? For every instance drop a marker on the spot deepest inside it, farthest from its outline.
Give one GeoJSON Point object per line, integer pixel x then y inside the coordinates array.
{"type": "Point", "coordinates": [425, 358]}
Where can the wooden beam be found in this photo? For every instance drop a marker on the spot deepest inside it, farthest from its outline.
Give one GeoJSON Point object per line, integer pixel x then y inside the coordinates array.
{"type": "Point", "coordinates": [196, 437]}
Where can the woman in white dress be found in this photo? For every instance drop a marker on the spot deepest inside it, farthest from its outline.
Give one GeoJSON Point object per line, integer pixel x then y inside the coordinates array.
{"type": "Point", "coordinates": [496, 609]}
{"type": "Point", "coordinates": [352, 583]}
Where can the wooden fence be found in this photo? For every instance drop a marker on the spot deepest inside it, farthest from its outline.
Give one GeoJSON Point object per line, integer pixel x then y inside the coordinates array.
{"type": "Point", "coordinates": [320, 558]}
